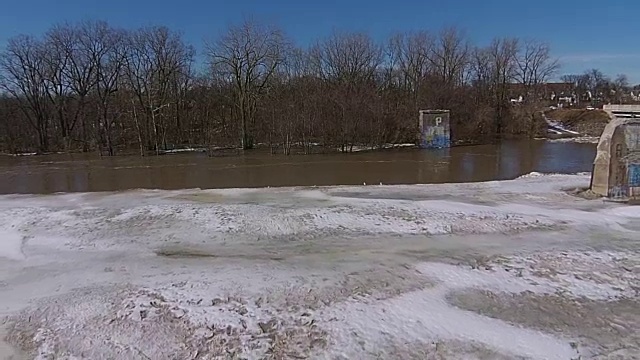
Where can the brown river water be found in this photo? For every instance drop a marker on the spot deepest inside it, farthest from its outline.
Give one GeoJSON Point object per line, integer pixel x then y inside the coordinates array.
{"type": "Point", "coordinates": [88, 172]}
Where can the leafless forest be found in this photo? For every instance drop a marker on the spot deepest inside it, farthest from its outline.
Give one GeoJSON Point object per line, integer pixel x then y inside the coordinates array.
{"type": "Point", "coordinates": [93, 87]}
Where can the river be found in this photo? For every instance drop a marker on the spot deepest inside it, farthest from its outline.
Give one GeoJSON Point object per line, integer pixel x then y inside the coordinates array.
{"type": "Point", "coordinates": [87, 172]}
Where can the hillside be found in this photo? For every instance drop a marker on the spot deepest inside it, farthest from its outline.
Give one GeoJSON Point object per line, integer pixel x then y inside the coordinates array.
{"type": "Point", "coordinates": [586, 122]}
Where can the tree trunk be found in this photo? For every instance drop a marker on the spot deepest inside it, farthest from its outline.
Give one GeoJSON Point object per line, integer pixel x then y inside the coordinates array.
{"type": "Point", "coordinates": [139, 130]}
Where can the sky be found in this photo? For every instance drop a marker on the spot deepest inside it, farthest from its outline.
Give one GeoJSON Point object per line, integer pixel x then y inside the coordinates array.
{"type": "Point", "coordinates": [583, 34]}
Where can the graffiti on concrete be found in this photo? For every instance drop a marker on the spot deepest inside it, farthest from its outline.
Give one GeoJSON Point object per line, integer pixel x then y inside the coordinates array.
{"type": "Point", "coordinates": [634, 175]}
{"type": "Point", "coordinates": [435, 137]}
{"type": "Point", "coordinates": [618, 192]}
{"type": "Point", "coordinates": [435, 130]}
{"type": "Point", "coordinates": [622, 177]}
{"type": "Point", "coordinates": [631, 159]}
{"type": "Point", "coordinates": [616, 168]}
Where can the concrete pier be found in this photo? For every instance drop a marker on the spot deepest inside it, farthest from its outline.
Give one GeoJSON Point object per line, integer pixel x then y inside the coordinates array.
{"type": "Point", "coordinates": [616, 168]}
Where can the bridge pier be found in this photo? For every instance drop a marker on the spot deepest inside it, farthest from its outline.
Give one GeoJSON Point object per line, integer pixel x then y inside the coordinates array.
{"type": "Point", "coordinates": [616, 168]}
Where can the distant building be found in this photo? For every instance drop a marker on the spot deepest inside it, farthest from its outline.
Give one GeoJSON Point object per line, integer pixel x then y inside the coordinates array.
{"type": "Point", "coordinates": [559, 89]}
{"type": "Point", "coordinates": [559, 92]}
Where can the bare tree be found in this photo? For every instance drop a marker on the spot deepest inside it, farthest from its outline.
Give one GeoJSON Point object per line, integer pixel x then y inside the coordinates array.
{"type": "Point", "coordinates": [349, 63]}
{"type": "Point", "coordinates": [572, 80]}
{"type": "Point", "coordinates": [482, 74]}
{"type": "Point", "coordinates": [410, 55]}
{"type": "Point", "coordinates": [449, 56]}
{"type": "Point", "coordinates": [580, 84]}
{"type": "Point", "coordinates": [502, 54]}
{"type": "Point", "coordinates": [12, 136]}
{"type": "Point", "coordinates": [287, 104]}
{"type": "Point", "coordinates": [245, 58]}
{"type": "Point", "coordinates": [535, 66]}
{"type": "Point", "coordinates": [58, 51]}
{"type": "Point", "coordinates": [24, 77]}
{"type": "Point", "coordinates": [181, 85]}
{"type": "Point", "coordinates": [104, 50]}
{"type": "Point", "coordinates": [350, 57]}
{"type": "Point", "coordinates": [155, 56]}
{"type": "Point", "coordinates": [620, 87]}
{"type": "Point", "coordinates": [92, 86]}
{"type": "Point", "coordinates": [596, 83]}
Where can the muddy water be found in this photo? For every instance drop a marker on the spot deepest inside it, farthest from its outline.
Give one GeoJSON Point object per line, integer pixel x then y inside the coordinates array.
{"type": "Point", "coordinates": [83, 172]}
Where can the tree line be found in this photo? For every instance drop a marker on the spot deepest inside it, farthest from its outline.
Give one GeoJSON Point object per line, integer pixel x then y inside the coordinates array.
{"type": "Point", "coordinates": [595, 87]}
{"type": "Point", "coordinates": [93, 87]}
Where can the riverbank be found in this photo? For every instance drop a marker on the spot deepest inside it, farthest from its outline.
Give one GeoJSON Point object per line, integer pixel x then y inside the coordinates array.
{"type": "Point", "coordinates": [394, 272]}
{"type": "Point", "coordinates": [589, 123]}
{"type": "Point", "coordinates": [574, 139]}
{"type": "Point", "coordinates": [313, 149]}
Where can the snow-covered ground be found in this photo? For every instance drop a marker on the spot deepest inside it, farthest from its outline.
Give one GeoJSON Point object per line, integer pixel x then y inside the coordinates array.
{"type": "Point", "coordinates": [496, 270]}
{"type": "Point", "coordinates": [578, 139]}
{"type": "Point", "coordinates": [557, 128]}
{"type": "Point", "coordinates": [360, 148]}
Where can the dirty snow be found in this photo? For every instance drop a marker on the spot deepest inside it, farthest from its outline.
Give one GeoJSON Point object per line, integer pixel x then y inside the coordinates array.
{"type": "Point", "coordinates": [358, 148]}
{"type": "Point", "coordinates": [577, 139]}
{"type": "Point", "coordinates": [559, 128]}
{"type": "Point", "coordinates": [329, 273]}
{"type": "Point", "coordinates": [11, 245]}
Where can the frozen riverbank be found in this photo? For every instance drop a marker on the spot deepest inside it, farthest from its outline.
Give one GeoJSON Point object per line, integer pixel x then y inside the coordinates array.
{"type": "Point", "coordinates": [340, 272]}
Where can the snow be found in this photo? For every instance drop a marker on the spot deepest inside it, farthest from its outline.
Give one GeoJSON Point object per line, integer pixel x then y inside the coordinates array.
{"type": "Point", "coordinates": [184, 150]}
{"type": "Point", "coordinates": [632, 212]}
{"type": "Point", "coordinates": [21, 154]}
{"type": "Point", "coordinates": [10, 245]}
{"type": "Point", "coordinates": [329, 272]}
{"type": "Point", "coordinates": [425, 315]}
{"type": "Point", "coordinates": [558, 128]}
{"type": "Point", "coordinates": [359, 148]}
{"type": "Point", "coordinates": [578, 139]}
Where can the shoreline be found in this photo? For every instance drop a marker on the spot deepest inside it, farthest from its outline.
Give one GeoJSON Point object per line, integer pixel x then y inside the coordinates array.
{"type": "Point", "coordinates": [329, 151]}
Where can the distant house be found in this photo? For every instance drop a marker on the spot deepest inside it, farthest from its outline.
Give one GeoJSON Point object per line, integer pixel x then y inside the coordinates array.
{"type": "Point", "coordinates": [516, 92]}
{"type": "Point", "coordinates": [557, 89]}
{"type": "Point", "coordinates": [556, 92]}
{"type": "Point", "coordinates": [517, 100]}
{"type": "Point", "coordinates": [565, 99]}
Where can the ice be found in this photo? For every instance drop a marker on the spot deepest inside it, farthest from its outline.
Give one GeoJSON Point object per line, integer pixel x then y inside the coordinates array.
{"type": "Point", "coordinates": [577, 139]}
{"type": "Point", "coordinates": [627, 212]}
{"type": "Point", "coordinates": [425, 315]}
{"type": "Point", "coordinates": [323, 272]}
{"type": "Point", "coordinates": [357, 148]}
{"type": "Point", "coordinates": [557, 128]}
{"type": "Point", "coordinates": [11, 245]}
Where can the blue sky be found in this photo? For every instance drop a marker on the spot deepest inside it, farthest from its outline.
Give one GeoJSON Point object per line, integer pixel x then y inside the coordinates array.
{"type": "Point", "coordinates": [583, 34]}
